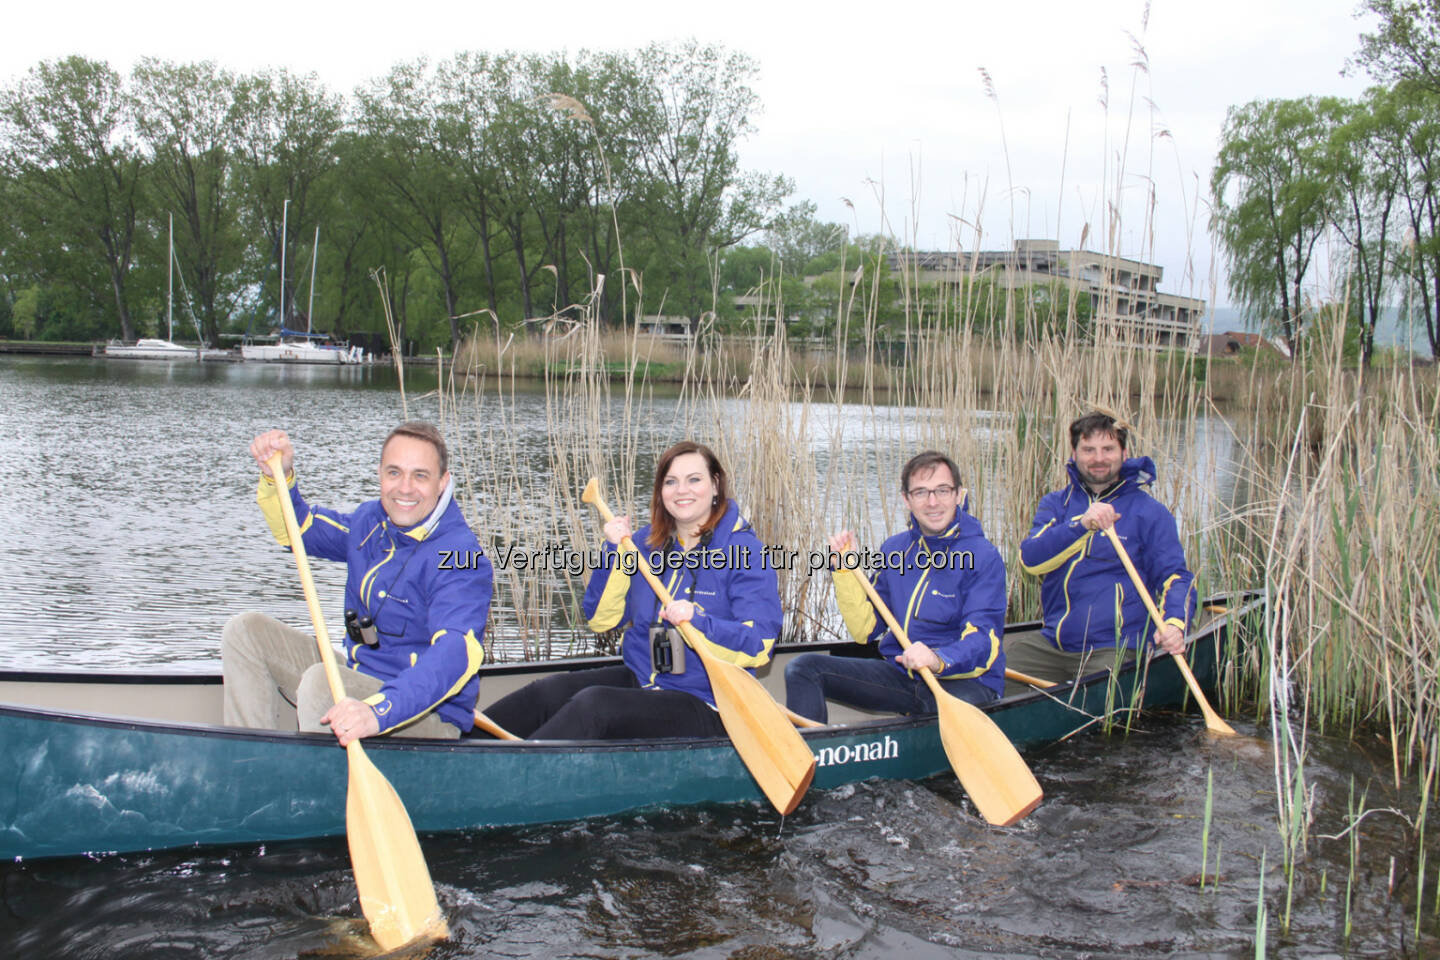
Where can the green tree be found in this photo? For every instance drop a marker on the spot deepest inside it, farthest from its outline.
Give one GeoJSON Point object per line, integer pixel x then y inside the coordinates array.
{"type": "Point", "coordinates": [1271, 194]}
{"type": "Point", "coordinates": [1365, 155]}
{"type": "Point", "coordinates": [694, 107]}
{"type": "Point", "coordinates": [1406, 43]}
{"type": "Point", "coordinates": [185, 116]}
{"type": "Point", "coordinates": [288, 129]}
{"type": "Point", "coordinates": [470, 85]}
{"type": "Point", "coordinates": [798, 238]}
{"type": "Point", "coordinates": [1416, 131]}
{"type": "Point", "coordinates": [65, 145]}
{"type": "Point", "coordinates": [404, 121]}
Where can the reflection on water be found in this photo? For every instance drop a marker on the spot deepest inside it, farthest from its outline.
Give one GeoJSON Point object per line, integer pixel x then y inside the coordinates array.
{"type": "Point", "coordinates": [1108, 867]}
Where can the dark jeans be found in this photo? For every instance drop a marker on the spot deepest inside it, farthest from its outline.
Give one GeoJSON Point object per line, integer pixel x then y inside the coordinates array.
{"type": "Point", "coordinates": [812, 678]}
{"type": "Point", "coordinates": [605, 703]}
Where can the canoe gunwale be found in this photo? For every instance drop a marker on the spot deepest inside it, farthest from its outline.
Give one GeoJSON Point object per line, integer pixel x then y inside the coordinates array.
{"type": "Point", "coordinates": [90, 783]}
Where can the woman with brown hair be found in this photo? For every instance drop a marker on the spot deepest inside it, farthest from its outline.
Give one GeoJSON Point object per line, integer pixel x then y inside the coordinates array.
{"type": "Point", "coordinates": [712, 563]}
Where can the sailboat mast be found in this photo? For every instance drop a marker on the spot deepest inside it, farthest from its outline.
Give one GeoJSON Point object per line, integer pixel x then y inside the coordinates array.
{"type": "Point", "coordinates": [170, 284]}
{"type": "Point", "coordinates": [284, 229]}
{"type": "Point", "coordinates": [314, 256]}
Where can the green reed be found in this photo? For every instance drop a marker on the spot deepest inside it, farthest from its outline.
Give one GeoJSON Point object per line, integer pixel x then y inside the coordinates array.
{"type": "Point", "coordinates": [1262, 919]}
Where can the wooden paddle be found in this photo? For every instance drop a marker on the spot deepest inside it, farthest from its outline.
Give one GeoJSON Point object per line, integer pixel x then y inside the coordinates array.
{"type": "Point", "coordinates": [492, 728]}
{"type": "Point", "coordinates": [1019, 677]}
{"type": "Point", "coordinates": [1213, 723]}
{"type": "Point", "coordinates": [774, 753]}
{"type": "Point", "coordinates": [396, 894]}
{"type": "Point", "coordinates": [989, 767]}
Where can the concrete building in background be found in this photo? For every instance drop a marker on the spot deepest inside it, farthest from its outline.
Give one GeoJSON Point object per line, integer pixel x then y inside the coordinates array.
{"type": "Point", "coordinates": [1126, 304]}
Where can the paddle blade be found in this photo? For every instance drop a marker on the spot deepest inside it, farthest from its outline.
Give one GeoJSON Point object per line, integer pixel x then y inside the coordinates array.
{"type": "Point", "coordinates": [772, 750]}
{"type": "Point", "coordinates": [989, 767]}
{"type": "Point", "coordinates": [591, 493]}
{"type": "Point", "coordinates": [396, 894]}
{"type": "Point", "coordinates": [1213, 723]}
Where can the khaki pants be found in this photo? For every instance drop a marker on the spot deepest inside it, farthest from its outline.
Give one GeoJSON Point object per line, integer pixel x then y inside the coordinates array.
{"type": "Point", "coordinates": [1032, 654]}
{"type": "Point", "coordinates": [268, 665]}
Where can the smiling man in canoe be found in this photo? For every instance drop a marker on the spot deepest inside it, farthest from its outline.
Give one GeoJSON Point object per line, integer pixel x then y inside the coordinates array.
{"type": "Point", "coordinates": [1090, 605]}
{"type": "Point", "coordinates": [412, 646]}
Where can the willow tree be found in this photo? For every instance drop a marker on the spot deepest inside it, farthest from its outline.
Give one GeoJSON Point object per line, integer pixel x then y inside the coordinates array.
{"type": "Point", "coordinates": [1271, 190]}
{"type": "Point", "coordinates": [693, 106]}
{"type": "Point", "coordinates": [1405, 45]}
{"type": "Point", "coordinates": [1366, 151]}
{"type": "Point", "coordinates": [1416, 137]}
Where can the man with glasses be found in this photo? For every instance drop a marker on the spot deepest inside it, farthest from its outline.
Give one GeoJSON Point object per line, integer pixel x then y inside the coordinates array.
{"type": "Point", "coordinates": [947, 591]}
{"type": "Point", "coordinates": [1090, 604]}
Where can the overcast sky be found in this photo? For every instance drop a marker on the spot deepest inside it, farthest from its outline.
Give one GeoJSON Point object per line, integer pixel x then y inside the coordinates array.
{"type": "Point", "coordinates": [877, 111]}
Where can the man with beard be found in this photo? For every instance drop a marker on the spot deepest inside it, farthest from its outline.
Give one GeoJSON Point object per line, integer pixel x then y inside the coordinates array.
{"type": "Point", "coordinates": [1090, 605]}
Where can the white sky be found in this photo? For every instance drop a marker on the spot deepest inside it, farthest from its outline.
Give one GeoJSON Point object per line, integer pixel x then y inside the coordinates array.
{"type": "Point", "coordinates": [878, 104]}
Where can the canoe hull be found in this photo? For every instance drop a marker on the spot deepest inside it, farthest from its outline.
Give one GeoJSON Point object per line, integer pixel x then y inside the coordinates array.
{"type": "Point", "coordinates": [80, 783]}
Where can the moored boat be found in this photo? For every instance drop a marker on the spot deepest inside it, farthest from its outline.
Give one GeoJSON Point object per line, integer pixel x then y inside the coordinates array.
{"type": "Point", "coordinates": [150, 348]}
{"type": "Point", "coordinates": [126, 762]}
{"type": "Point", "coordinates": [295, 347]}
{"type": "Point", "coordinates": [153, 348]}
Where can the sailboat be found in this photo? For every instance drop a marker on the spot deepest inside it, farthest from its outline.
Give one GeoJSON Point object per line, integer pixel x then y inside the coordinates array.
{"type": "Point", "coordinates": [294, 346]}
{"type": "Point", "coordinates": [153, 348]}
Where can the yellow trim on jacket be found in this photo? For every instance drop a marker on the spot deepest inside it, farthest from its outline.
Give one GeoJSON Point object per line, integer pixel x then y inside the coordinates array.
{"type": "Point", "coordinates": [739, 659]}
{"type": "Point", "coordinates": [855, 607]}
{"type": "Point", "coordinates": [1040, 569]}
{"type": "Point", "coordinates": [611, 608]}
{"type": "Point", "coordinates": [474, 657]}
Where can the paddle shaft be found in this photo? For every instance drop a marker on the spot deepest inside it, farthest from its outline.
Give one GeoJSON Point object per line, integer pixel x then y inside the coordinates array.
{"type": "Point", "coordinates": [1019, 677]}
{"type": "Point", "coordinates": [392, 880]}
{"type": "Point", "coordinates": [897, 631]}
{"type": "Point", "coordinates": [987, 764]}
{"type": "Point", "coordinates": [1212, 719]}
{"type": "Point", "coordinates": [493, 728]}
{"type": "Point", "coordinates": [307, 583]}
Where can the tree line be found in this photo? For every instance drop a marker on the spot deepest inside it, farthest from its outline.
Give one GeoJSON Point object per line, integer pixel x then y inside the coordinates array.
{"type": "Point", "coordinates": [484, 185]}
{"type": "Point", "coordinates": [1298, 177]}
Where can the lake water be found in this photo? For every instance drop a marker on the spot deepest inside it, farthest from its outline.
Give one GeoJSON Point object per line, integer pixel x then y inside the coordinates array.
{"type": "Point", "coordinates": [131, 535]}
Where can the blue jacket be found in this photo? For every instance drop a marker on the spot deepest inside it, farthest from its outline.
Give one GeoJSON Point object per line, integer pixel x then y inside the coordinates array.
{"type": "Point", "coordinates": [1087, 597]}
{"type": "Point", "coordinates": [947, 591]}
{"type": "Point", "coordinates": [735, 592]}
{"type": "Point", "coordinates": [427, 587]}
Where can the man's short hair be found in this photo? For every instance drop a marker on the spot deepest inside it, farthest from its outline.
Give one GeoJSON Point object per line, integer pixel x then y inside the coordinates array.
{"type": "Point", "coordinates": [421, 430]}
{"type": "Point", "coordinates": [927, 460]}
{"type": "Point", "coordinates": [1097, 422]}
